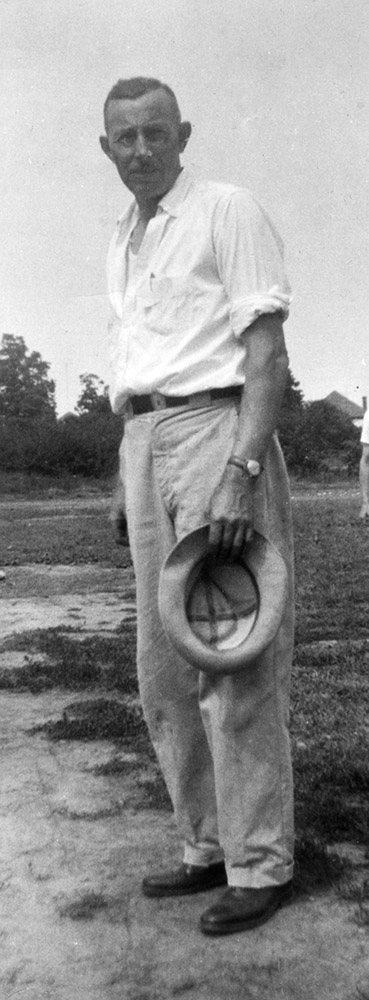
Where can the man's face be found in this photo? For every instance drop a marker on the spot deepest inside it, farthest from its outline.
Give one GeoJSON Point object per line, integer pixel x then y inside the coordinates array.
{"type": "Point", "coordinates": [144, 140]}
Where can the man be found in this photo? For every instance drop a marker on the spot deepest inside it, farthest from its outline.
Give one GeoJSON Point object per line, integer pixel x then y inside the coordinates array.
{"type": "Point", "coordinates": [364, 468]}
{"type": "Point", "coordinates": [197, 295]}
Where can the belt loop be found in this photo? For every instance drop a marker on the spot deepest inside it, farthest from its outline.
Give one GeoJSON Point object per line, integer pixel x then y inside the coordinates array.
{"type": "Point", "coordinates": [199, 399]}
{"type": "Point", "coordinates": [158, 400]}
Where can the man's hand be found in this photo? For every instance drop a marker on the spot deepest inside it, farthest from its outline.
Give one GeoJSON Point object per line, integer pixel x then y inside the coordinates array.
{"type": "Point", "coordinates": [231, 514]}
{"type": "Point", "coordinates": [117, 516]}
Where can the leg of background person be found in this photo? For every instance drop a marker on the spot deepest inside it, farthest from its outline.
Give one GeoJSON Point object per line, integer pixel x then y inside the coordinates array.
{"type": "Point", "coordinates": [169, 687]}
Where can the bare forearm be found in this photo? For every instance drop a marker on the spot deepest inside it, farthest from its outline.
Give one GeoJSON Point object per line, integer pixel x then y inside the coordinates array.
{"type": "Point", "coordinates": [266, 371]}
{"type": "Point", "coordinates": [232, 505]}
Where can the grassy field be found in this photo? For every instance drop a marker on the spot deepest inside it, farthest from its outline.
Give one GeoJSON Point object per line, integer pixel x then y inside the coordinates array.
{"type": "Point", "coordinates": [330, 689]}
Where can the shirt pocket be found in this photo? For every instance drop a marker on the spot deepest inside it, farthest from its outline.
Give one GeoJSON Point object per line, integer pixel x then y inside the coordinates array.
{"type": "Point", "coordinates": [166, 302]}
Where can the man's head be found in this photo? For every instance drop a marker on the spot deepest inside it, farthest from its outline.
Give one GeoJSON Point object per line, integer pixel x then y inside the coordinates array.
{"type": "Point", "coordinates": [144, 136]}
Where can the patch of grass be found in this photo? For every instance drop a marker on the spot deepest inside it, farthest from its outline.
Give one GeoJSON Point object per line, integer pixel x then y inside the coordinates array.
{"type": "Point", "coordinates": [36, 486]}
{"type": "Point", "coordinates": [332, 558]}
{"type": "Point", "coordinates": [108, 661]}
{"type": "Point", "coordinates": [330, 690]}
{"type": "Point", "coordinates": [96, 719]}
{"type": "Point", "coordinates": [115, 767]}
{"type": "Point", "coordinates": [84, 908]}
{"type": "Point", "coordinates": [52, 534]}
{"type": "Point", "coordinates": [91, 816]}
{"type": "Point", "coordinates": [156, 795]}
{"type": "Point", "coordinates": [355, 889]}
{"type": "Point", "coordinates": [316, 868]}
{"type": "Point", "coordinates": [185, 987]}
{"type": "Point", "coordinates": [330, 705]}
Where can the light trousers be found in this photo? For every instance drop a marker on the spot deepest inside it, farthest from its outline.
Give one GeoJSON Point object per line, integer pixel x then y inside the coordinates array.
{"type": "Point", "coordinates": [222, 743]}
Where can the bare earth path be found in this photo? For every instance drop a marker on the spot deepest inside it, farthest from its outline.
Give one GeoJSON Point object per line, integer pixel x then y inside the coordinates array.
{"type": "Point", "coordinates": [75, 844]}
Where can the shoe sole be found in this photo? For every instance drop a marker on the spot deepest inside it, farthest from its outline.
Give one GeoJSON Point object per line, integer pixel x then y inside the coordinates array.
{"type": "Point", "coordinates": [248, 925]}
{"type": "Point", "coordinates": [156, 893]}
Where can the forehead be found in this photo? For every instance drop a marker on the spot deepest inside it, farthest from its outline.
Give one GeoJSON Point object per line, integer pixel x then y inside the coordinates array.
{"type": "Point", "coordinates": [155, 106]}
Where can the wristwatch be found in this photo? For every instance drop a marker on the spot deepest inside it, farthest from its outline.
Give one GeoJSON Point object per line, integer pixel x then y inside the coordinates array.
{"type": "Point", "coordinates": [251, 467]}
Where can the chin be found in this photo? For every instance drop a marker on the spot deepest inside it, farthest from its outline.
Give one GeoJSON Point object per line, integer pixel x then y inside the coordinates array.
{"type": "Point", "coordinates": [147, 191]}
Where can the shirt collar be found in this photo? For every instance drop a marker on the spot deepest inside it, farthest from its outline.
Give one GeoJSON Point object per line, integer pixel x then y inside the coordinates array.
{"type": "Point", "coordinates": [172, 201]}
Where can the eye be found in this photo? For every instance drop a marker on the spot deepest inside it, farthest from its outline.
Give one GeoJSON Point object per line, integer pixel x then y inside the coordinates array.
{"type": "Point", "coordinates": [126, 139]}
{"type": "Point", "coordinates": [154, 134]}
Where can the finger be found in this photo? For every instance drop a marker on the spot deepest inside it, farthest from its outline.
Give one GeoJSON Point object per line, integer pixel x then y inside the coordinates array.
{"type": "Point", "coordinates": [227, 541]}
{"type": "Point", "coordinates": [215, 538]}
{"type": "Point", "coordinates": [239, 541]}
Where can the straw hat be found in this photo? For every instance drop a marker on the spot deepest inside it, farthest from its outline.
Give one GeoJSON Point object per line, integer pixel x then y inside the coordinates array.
{"type": "Point", "coordinates": [220, 615]}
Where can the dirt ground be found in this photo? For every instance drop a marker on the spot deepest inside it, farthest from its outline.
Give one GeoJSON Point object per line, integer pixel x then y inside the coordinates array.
{"type": "Point", "coordinates": [76, 842]}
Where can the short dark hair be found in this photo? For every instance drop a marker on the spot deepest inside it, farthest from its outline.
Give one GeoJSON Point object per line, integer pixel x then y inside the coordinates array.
{"type": "Point", "coordinates": [136, 87]}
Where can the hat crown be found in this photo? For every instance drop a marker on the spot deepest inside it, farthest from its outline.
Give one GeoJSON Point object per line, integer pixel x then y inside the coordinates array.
{"type": "Point", "coordinates": [222, 619]}
{"type": "Point", "coordinates": [222, 603]}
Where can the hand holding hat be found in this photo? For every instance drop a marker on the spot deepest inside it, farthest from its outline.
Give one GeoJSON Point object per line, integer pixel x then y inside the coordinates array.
{"type": "Point", "coordinates": [222, 614]}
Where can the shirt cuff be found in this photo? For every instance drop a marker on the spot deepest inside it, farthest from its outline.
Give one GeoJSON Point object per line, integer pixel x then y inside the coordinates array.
{"type": "Point", "coordinates": [244, 312]}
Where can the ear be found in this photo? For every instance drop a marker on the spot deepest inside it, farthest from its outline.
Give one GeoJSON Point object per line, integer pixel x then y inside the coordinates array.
{"type": "Point", "coordinates": [104, 143]}
{"type": "Point", "coordinates": [185, 130]}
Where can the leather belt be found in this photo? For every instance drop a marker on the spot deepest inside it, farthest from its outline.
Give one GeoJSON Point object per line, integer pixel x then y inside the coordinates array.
{"type": "Point", "coordinates": [157, 401]}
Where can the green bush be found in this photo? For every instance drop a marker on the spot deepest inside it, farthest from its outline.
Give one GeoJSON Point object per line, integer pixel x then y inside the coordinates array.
{"type": "Point", "coordinates": [320, 440]}
{"type": "Point", "coordinates": [86, 445]}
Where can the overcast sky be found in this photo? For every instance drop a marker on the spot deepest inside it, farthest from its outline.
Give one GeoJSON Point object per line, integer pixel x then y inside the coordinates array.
{"type": "Point", "coordinates": [278, 95]}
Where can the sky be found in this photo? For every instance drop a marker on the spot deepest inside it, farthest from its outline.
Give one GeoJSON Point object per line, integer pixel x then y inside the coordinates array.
{"type": "Point", "coordinates": [278, 95]}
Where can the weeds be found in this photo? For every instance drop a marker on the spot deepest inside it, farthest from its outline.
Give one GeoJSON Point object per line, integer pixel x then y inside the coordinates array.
{"type": "Point", "coordinates": [84, 908]}
{"type": "Point", "coordinates": [107, 661]}
{"type": "Point", "coordinates": [115, 767]}
{"type": "Point", "coordinates": [330, 690]}
{"type": "Point", "coordinates": [332, 558]}
{"type": "Point", "coordinates": [96, 719]}
{"type": "Point", "coordinates": [356, 890]}
{"type": "Point", "coordinates": [330, 704]}
{"type": "Point", "coordinates": [315, 867]}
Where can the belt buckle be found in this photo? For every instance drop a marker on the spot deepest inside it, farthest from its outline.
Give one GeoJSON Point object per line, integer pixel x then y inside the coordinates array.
{"type": "Point", "coordinates": [158, 401]}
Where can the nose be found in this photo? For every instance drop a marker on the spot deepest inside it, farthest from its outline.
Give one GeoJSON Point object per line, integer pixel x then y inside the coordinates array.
{"type": "Point", "coordinates": [142, 148]}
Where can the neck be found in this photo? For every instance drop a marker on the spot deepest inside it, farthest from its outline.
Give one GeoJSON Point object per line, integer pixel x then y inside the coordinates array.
{"type": "Point", "coordinates": [147, 207]}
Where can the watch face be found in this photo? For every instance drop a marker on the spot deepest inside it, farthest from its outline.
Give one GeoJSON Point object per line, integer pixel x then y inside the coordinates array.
{"type": "Point", "coordinates": [253, 467]}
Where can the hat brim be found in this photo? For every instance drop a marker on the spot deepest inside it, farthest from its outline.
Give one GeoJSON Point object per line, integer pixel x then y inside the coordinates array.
{"type": "Point", "coordinates": [267, 568]}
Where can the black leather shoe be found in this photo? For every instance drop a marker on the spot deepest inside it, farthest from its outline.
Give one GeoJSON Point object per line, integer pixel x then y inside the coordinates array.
{"type": "Point", "coordinates": [185, 880]}
{"type": "Point", "coordinates": [241, 909]}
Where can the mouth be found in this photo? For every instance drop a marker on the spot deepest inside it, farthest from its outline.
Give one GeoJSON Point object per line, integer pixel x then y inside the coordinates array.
{"type": "Point", "coordinates": [144, 172]}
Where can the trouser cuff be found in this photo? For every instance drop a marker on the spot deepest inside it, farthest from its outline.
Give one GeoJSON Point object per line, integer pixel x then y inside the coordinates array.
{"type": "Point", "coordinates": [248, 878]}
{"type": "Point", "coordinates": [202, 854]}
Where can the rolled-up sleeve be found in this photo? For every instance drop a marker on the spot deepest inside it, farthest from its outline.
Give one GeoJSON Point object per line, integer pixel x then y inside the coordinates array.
{"type": "Point", "coordinates": [249, 255]}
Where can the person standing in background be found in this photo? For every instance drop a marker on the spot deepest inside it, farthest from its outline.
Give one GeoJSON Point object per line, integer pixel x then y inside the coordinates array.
{"type": "Point", "coordinates": [364, 468]}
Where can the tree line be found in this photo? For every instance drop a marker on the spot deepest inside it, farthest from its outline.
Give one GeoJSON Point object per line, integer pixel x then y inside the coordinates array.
{"type": "Point", "coordinates": [316, 437]}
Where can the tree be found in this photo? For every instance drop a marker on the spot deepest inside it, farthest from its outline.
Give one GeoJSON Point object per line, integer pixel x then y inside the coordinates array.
{"type": "Point", "coordinates": [94, 396]}
{"type": "Point", "coordinates": [327, 442]}
{"type": "Point", "coordinates": [293, 399]}
{"type": "Point", "coordinates": [93, 441]}
{"type": "Point", "coordinates": [290, 417]}
{"type": "Point", "coordinates": [26, 391]}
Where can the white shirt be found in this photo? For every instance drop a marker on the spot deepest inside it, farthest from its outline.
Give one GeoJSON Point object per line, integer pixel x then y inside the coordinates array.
{"type": "Point", "coordinates": [365, 429]}
{"type": "Point", "coordinates": [210, 263]}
